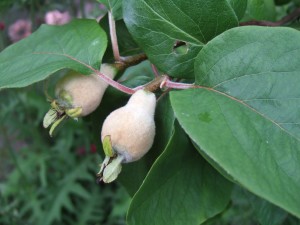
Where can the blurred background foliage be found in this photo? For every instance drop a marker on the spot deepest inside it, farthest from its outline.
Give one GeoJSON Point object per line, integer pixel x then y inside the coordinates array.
{"type": "Point", "coordinates": [50, 181]}
{"type": "Point", "coordinates": [47, 180]}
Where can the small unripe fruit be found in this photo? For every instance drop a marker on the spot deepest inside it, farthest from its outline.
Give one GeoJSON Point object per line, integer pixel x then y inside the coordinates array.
{"type": "Point", "coordinates": [77, 95]}
{"type": "Point", "coordinates": [130, 130]}
{"type": "Point", "coordinates": [83, 91]}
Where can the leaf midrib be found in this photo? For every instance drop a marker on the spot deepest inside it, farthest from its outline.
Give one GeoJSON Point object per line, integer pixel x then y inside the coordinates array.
{"type": "Point", "coordinates": [197, 42]}
{"type": "Point", "coordinates": [253, 109]}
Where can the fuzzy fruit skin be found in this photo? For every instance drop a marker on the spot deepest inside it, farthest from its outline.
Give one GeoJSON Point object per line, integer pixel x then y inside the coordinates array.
{"type": "Point", "coordinates": [84, 91]}
{"type": "Point", "coordinates": [131, 127]}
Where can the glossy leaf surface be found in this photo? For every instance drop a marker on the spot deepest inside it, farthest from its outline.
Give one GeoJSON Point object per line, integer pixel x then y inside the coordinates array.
{"type": "Point", "coordinates": [77, 45]}
{"type": "Point", "coordinates": [245, 114]}
{"type": "Point", "coordinates": [179, 189]}
{"type": "Point", "coordinates": [160, 27]}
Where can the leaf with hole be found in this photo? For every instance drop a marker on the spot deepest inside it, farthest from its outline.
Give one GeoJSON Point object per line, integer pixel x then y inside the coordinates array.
{"type": "Point", "coordinates": [160, 27]}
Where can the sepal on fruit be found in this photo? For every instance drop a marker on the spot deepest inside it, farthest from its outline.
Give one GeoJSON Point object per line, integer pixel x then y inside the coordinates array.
{"type": "Point", "coordinates": [112, 164]}
{"type": "Point", "coordinates": [110, 168]}
{"type": "Point", "coordinates": [107, 146]}
{"type": "Point", "coordinates": [55, 124]}
{"type": "Point", "coordinates": [113, 169]}
{"type": "Point", "coordinates": [57, 113]}
{"type": "Point", "coordinates": [54, 117]}
{"type": "Point", "coordinates": [74, 112]}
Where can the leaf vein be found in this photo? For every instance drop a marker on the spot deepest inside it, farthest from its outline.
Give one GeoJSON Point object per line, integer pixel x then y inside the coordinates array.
{"type": "Point", "coordinates": [172, 25]}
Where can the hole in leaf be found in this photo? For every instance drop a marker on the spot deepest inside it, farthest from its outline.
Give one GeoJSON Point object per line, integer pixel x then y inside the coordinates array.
{"type": "Point", "coordinates": [180, 47]}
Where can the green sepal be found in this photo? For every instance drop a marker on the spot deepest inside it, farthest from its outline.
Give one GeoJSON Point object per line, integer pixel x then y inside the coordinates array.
{"type": "Point", "coordinates": [102, 166]}
{"type": "Point", "coordinates": [112, 170]}
{"type": "Point", "coordinates": [107, 146]}
{"type": "Point", "coordinates": [74, 112]}
{"type": "Point", "coordinates": [65, 96]}
{"type": "Point", "coordinates": [56, 106]}
{"type": "Point", "coordinates": [50, 117]}
{"type": "Point", "coordinates": [55, 124]}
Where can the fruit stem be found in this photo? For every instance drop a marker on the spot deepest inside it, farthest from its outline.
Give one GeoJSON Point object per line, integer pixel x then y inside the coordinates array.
{"type": "Point", "coordinates": [113, 37]}
{"type": "Point", "coordinates": [123, 62]}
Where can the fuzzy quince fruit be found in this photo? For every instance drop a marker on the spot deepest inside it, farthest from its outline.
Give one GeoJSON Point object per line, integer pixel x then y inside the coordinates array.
{"type": "Point", "coordinates": [127, 134]}
{"type": "Point", "coordinates": [77, 95]}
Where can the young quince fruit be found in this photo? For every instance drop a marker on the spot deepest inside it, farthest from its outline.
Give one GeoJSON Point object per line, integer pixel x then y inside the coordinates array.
{"type": "Point", "coordinates": [127, 134]}
{"type": "Point", "coordinates": [77, 95]}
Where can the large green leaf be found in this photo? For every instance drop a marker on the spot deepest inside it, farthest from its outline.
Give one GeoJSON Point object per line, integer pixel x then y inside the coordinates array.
{"type": "Point", "coordinates": [247, 115]}
{"type": "Point", "coordinates": [179, 188]}
{"type": "Point", "coordinates": [76, 45]}
{"type": "Point", "coordinates": [159, 25]}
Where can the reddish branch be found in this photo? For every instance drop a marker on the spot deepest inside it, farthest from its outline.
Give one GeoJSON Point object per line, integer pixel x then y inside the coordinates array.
{"type": "Point", "coordinates": [294, 15]}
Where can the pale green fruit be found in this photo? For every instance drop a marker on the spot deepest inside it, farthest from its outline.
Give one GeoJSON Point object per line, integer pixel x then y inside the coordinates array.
{"type": "Point", "coordinates": [82, 91]}
{"type": "Point", "coordinates": [77, 95]}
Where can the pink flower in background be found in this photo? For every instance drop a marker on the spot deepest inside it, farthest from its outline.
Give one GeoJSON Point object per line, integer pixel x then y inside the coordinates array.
{"type": "Point", "coordinates": [102, 7]}
{"type": "Point", "coordinates": [56, 17]}
{"type": "Point", "coordinates": [83, 151]}
{"type": "Point", "coordinates": [93, 148]}
{"type": "Point", "coordinates": [2, 26]}
{"type": "Point", "coordinates": [19, 30]}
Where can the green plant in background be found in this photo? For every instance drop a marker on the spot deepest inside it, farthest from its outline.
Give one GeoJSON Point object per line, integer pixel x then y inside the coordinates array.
{"type": "Point", "coordinates": [226, 148]}
{"type": "Point", "coordinates": [47, 182]}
